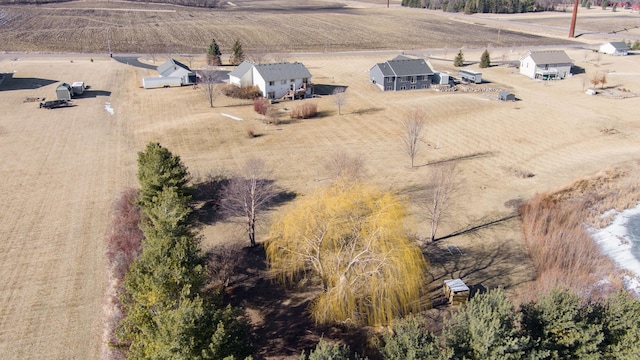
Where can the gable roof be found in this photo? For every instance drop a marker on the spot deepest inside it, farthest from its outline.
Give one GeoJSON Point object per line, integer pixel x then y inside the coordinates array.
{"type": "Point", "coordinates": [548, 57]}
{"type": "Point", "coordinates": [282, 71]}
{"type": "Point", "coordinates": [170, 66]}
{"type": "Point", "coordinates": [619, 45]}
{"type": "Point", "coordinates": [242, 69]}
{"type": "Point", "coordinates": [404, 66]}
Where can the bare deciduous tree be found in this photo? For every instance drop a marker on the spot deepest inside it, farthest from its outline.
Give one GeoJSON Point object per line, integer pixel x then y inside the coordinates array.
{"type": "Point", "coordinates": [344, 165]}
{"type": "Point", "coordinates": [412, 125]}
{"type": "Point", "coordinates": [340, 98]}
{"type": "Point", "coordinates": [247, 194]}
{"type": "Point", "coordinates": [208, 80]}
{"type": "Point", "coordinates": [442, 187]}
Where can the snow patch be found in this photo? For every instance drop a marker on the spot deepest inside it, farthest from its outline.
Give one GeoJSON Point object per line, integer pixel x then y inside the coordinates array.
{"type": "Point", "coordinates": [107, 106]}
{"type": "Point", "coordinates": [231, 117]}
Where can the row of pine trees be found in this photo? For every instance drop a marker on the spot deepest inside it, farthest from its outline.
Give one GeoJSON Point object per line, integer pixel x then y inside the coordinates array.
{"type": "Point", "coordinates": [169, 311]}
{"type": "Point", "coordinates": [477, 6]}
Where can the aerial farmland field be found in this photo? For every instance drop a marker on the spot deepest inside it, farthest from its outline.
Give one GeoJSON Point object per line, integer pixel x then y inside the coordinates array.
{"type": "Point", "coordinates": [63, 168]}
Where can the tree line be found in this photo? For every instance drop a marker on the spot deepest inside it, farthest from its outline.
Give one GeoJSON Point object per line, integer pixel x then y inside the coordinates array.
{"type": "Point", "coordinates": [561, 325]}
{"type": "Point", "coordinates": [483, 6]}
{"type": "Point", "coordinates": [168, 310]}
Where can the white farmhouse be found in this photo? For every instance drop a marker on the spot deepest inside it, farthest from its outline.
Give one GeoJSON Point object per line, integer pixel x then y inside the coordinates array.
{"type": "Point", "coordinates": [616, 48]}
{"type": "Point", "coordinates": [275, 81]}
{"type": "Point", "coordinates": [546, 64]}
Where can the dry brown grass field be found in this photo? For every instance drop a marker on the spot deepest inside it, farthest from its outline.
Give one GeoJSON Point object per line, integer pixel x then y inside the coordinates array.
{"type": "Point", "coordinates": [62, 168]}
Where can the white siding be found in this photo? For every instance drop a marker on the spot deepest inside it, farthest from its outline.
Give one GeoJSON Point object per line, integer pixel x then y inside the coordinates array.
{"type": "Point", "coordinates": [528, 67]}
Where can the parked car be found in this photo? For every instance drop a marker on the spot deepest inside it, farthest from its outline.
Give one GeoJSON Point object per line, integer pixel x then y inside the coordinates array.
{"type": "Point", "coordinates": [54, 104]}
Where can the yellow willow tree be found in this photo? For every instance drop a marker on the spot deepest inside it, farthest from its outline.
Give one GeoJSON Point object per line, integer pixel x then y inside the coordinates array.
{"type": "Point", "coordinates": [351, 238]}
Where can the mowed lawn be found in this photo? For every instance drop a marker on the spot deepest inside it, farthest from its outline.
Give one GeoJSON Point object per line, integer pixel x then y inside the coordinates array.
{"type": "Point", "coordinates": [63, 168]}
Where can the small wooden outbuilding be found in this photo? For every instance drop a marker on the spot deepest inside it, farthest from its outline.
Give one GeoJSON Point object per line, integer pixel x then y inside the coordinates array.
{"type": "Point", "coordinates": [456, 291]}
{"type": "Point", "coordinates": [506, 96]}
{"type": "Point", "coordinates": [63, 92]}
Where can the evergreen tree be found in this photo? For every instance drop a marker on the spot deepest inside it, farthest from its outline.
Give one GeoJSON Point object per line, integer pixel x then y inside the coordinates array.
{"type": "Point", "coordinates": [621, 327]}
{"type": "Point", "coordinates": [459, 59]}
{"type": "Point", "coordinates": [485, 60]}
{"type": "Point", "coordinates": [213, 54]}
{"type": "Point", "coordinates": [159, 168]}
{"type": "Point", "coordinates": [485, 328]}
{"type": "Point", "coordinates": [325, 350]}
{"type": "Point", "coordinates": [411, 340]}
{"type": "Point", "coordinates": [560, 327]}
{"type": "Point", "coordinates": [168, 313]}
{"type": "Point", "coordinates": [237, 54]}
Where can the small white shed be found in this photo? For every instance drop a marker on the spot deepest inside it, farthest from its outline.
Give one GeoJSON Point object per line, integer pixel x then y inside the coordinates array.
{"type": "Point", "coordinates": [63, 92]}
{"type": "Point", "coordinates": [78, 87]}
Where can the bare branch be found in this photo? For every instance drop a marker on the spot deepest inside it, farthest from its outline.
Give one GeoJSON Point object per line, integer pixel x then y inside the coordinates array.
{"type": "Point", "coordinates": [412, 125]}
{"type": "Point", "coordinates": [248, 194]}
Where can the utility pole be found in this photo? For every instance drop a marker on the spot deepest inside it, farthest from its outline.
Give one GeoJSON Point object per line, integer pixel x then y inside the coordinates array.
{"type": "Point", "coordinates": [109, 43]}
{"type": "Point", "coordinates": [572, 29]}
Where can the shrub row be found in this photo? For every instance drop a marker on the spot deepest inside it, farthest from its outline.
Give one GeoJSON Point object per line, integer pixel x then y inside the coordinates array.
{"type": "Point", "coordinates": [248, 92]}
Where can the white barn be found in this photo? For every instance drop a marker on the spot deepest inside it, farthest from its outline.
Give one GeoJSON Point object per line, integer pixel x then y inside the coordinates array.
{"type": "Point", "coordinates": [275, 81]}
{"type": "Point", "coordinates": [546, 64]}
{"type": "Point", "coordinates": [615, 48]}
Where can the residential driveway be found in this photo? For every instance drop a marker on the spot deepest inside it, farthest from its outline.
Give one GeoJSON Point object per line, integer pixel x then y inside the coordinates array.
{"type": "Point", "coordinates": [133, 61]}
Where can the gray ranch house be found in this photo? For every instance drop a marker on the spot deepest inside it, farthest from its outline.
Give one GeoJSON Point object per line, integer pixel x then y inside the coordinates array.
{"type": "Point", "coordinates": [275, 81]}
{"type": "Point", "coordinates": [546, 64]}
{"type": "Point", "coordinates": [401, 73]}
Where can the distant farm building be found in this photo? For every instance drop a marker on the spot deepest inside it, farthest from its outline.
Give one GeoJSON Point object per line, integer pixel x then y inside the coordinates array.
{"type": "Point", "coordinates": [64, 92]}
{"type": "Point", "coordinates": [546, 64]}
{"type": "Point", "coordinates": [170, 73]}
{"type": "Point", "coordinates": [470, 76]}
{"type": "Point", "coordinates": [616, 48]}
{"type": "Point", "coordinates": [276, 80]}
{"type": "Point", "coordinates": [506, 96]}
{"type": "Point", "coordinates": [402, 73]}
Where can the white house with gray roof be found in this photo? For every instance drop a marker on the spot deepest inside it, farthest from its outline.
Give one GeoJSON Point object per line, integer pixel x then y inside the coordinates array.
{"type": "Point", "coordinates": [277, 80]}
{"type": "Point", "coordinates": [546, 64]}
{"type": "Point", "coordinates": [615, 48]}
{"type": "Point", "coordinates": [401, 73]}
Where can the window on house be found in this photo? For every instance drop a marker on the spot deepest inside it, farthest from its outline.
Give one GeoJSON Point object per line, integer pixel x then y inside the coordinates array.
{"type": "Point", "coordinates": [388, 88]}
{"type": "Point", "coordinates": [425, 86]}
{"type": "Point", "coordinates": [420, 78]}
{"type": "Point", "coordinates": [271, 94]}
{"type": "Point", "coordinates": [413, 79]}
{"type": "Point", "coordinates": [305, 80]}
{"type": "Point", "coordinates": [413, 87]}
{"type": "Point", "coordinates": [271, 83]}
{"type": "Point", "coordinates": [283, 82]}
{"type": "Point", "coordinates": [403, 87]}
{"type": "Point", "coordinates": [293, 80]}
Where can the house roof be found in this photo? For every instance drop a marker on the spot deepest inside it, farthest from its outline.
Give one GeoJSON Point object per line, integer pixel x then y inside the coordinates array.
{"type": "Point", "coordinates": [242, 69]}
{"type": "Point", "coordinates": [170, 66]}
{"type": "Point", "coordinates": [548, 57]}
{"type": "Point", "coordinates": [404, 66]}
{"type": "Point", "coordinates": [619, 45]}
{"type": "Point", "coordinates": [282, 71]}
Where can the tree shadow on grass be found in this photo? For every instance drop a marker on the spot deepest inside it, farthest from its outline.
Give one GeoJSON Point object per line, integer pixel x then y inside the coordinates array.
{"type": "Point", "coordinates": [490, 263]}
{"type": "Point", "coordinates": [280, 316]}
{"type": "Point", "coordinates": [208, 193]}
